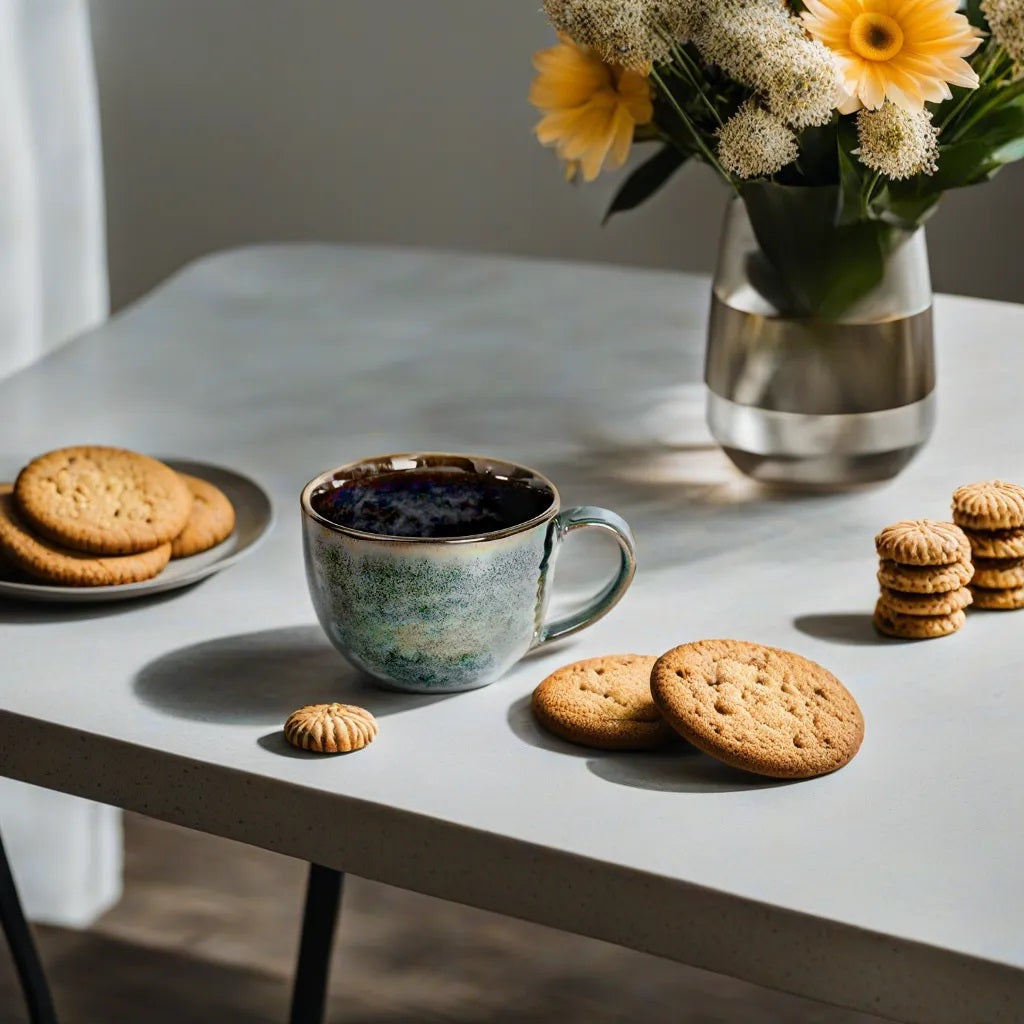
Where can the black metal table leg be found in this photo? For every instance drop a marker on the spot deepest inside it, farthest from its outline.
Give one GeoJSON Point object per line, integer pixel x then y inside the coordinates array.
{"type": "Point", "coordinates": [323, 898]}
{"type": "Point", "coordinates": [23, 949]}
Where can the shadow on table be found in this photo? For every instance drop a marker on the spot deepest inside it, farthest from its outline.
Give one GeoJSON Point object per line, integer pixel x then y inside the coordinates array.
{"type": "Point", "coordinates": [261, 678]}
{"type": "Point", "coordinates": [852, 629]}
{"type": "Point", "coordinates": [19, 611]}
{"type": "Point", "coordinates": [677, 769]}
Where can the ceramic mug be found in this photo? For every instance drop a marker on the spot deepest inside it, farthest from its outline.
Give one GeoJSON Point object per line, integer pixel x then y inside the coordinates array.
{"type": "Point", "coordinates": [432, 572]}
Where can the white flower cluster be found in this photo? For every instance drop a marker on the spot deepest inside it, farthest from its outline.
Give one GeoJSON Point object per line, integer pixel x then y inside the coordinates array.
{"type": "Point", "coordinates": [754, 143]}
{"type": "Point", "coordinates": [761, 45]}
{"type": "Point", "coordinates": [896, 142]}
{"type": "Point", "coordinates": [631, 33]}
{"type": "Point", "coordinates": [1006, 19]}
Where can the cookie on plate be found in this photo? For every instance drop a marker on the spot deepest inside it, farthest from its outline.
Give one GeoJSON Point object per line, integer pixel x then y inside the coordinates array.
{"type": "Point", "coordinates": [107, 501]}
{"type": "Point", "coordinates": [926, 604]}
{"type": "Point", "coordinates": [603, 702]}
{"type": "Point", "coordinates": [761, 709]}
{"type": "Point", "coordinates": [990, 505]}
{"type": "Point", "coordinates": [330, 728]}
{"type": "Point", "coordinates": [923, 542]}
{"type": "Point", "coordinates": [210, 521]}
{"type": "Point", "coordinates": [915, 627]}
{"type": "Point", "coordinates": [49, 563]}
{"type": "Point", "coordinates": [924, 579]}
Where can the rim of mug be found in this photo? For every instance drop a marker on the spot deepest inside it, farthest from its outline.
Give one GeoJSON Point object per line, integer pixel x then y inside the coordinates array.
{"type": "Point", "coordinates": [306, 503]}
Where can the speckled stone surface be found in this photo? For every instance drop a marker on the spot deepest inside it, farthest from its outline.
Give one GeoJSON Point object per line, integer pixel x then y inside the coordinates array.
{"type": "Point", "coordinates": [892, 886]}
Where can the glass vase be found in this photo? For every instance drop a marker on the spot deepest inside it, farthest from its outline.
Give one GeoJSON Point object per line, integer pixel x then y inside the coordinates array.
{"type": "Point", "coordinates": [810, 401]}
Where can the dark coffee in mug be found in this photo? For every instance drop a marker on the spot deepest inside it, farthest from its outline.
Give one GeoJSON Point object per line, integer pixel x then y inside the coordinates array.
{"type": "Point", "coordinates": [436, 502]}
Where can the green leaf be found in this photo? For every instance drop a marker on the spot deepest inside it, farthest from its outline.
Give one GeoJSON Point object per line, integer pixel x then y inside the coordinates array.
{"type": "Point", "coordinates": [975, 15]}
{"type": "Point", "coordinates": [646, 180]}
{"type": "Point", "coordinates": [851, 175]}
{"type": "Point", "coordinates": [809, 265]}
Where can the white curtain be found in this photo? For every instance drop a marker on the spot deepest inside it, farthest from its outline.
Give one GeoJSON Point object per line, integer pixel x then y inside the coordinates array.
{"type": "Point", "coordinates": [65, 853]}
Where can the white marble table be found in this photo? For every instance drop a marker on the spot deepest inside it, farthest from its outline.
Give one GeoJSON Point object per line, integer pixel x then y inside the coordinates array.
{"type": "Point", "coordinates": [894, 886]}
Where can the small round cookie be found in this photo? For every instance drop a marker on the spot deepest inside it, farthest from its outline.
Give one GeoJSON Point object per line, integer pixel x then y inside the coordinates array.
{"type": "Point", "coordinates": [761, 709]}
{"type": "Point", "coordinates": [924, 579]}
{"type": "Point", "coordinates": [330, 728]}
{"type": "Point", "coordinates": [923, 542]}
{"type": "Point", "coordinates": [107, 501]}
{"type": "Point", "coordinates": [604, 703]}
{"type": "Point", "coordinates": [926, 604]}
{"type": "Point", "coordinates": [992, 505]}
{"type": "Point", "coordinates": [916, 627]}
{"type": "Point", "coordinates": [999, 573]}
{"type": "Point", "coordinates": [998, 600]}
{"type": "Point", "coordinates": [211, 520]}
{"type": "Point", "coordinates": [997, 543]}
{"type": "Point", "coordinates": [45, 561]}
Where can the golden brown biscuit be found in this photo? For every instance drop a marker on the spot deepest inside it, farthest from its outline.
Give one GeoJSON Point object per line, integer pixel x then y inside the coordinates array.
{"type": "Point", "coordinates": [997, 543]}
{"type": "Point", "coordinates": [758, 708]}
{"type": "Point", "coordinates": [107, 501]}
{"type": "Point", "coordinates": [992, 505]}
{"type": "Point", "coordinates": [916, 627]}
{"type": "Point", "coordinates": [603, 702]}
{"type": "Point", "coordinates": [998, 600]}
{"type": "Point", "coordinates": [999, 573]}
{"type": "Point", "coordinates": [924, 579]}
{"type": "Point", "coordinates": [211, 520]}
{"type": "Point", "coordinates": [47, 562]}
{"type": "Point", "coordinates": [923, 542]}
{"type": "Point", "coordinates": [330, 728]}
{"type": "Point", "coordinates": [926, 604]}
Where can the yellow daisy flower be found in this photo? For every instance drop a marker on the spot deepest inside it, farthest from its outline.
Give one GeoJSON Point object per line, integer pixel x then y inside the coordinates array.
{"type": "Point", "coordinates": [591, 108]}
{"type": "Point", "coordinates": [906, 51]}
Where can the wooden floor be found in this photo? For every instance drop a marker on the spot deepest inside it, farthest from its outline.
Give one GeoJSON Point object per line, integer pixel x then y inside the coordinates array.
{"type": "Point", "coordinates": [207, 929]}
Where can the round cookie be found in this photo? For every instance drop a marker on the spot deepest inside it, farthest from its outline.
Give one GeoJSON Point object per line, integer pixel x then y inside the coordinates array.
{"type": "Point", "coordinates": [997, 543]}
{"type": "Point", "coordinates": [926, 604]}
{"type": "Point", "coordinates": [107, 501]}
{"type": "Point", "coordinates": [999, 573]}
{"type": "Point", "coordinates": [760, 709]}
{"type": "Point", "coordinates": [330, 728]}
{"type": "Point", "coordinates": [916, 627]}
{"type": "Point", "coordinates": [44, 561]}
{"type": "Point", "coordinates": [210, 521]}
{"type": "Point", "coordinates": [603, 702]}
{"type": "Point", "coordinates": [923, 542]}
{"type": "Point", "coordinates": [992, 505]}
{"type": "Point", "coordinates": [998, 600]}
{"type": "Point", "coordinates": [924, 579]}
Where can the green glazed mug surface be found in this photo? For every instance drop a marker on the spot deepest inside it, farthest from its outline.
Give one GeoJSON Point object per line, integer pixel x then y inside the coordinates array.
{"type": "Point", "coordinates": [439, 614]}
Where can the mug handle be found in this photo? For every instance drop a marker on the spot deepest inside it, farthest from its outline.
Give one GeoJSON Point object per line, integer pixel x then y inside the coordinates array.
{"type": "Point", "coordinates": [602, 519]}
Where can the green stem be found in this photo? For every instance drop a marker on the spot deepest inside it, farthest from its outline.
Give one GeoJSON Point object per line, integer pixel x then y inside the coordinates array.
{"type": "Point", "coordinates": [697, 137]}
{"type": "Point", "coordinates": [692, 72]}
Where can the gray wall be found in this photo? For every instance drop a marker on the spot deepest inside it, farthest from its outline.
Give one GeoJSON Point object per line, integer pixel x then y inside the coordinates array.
{"type": "Point", "coordinates": [228, 122]}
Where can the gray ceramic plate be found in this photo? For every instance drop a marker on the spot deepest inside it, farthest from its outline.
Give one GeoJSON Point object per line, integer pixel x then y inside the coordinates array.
{"type": "Point", "coordinates": [254, 516]}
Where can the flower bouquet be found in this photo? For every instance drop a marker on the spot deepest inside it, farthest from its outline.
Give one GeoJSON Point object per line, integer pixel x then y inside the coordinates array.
{"type": "Point", "coordinates": [838, 125]}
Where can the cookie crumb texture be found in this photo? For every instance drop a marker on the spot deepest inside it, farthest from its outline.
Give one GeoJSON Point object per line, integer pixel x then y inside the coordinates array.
{"type": "Point", "coordinates": [896, 624]}
{"type": "Point", "coordinates": [210, 522]}
{"type": "Point", "coordinates": [49, 563]}
{"type": "Point", "coordinates": [330, 728]}
{"type": "Point", "coordinates": [760, 709]}
{"type": "Point", "coordinates": [989, 505]}
{"type": "Point", "coordinates": [923, 542]}
{"type": "Point", "coordinates": [604, 703]}
{"type": "Point", "coordinates": [107, 501]}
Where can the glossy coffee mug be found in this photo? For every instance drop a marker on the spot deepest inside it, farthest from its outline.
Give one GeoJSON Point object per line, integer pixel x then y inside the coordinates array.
{"type": "Point", "coordinates": [432, 572]}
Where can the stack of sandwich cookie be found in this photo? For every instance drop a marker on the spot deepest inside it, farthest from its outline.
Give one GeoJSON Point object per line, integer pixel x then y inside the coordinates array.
{"type": "Point", "coordinates": [992, 517]}
{"type": "Point", "coordinates": [96, 516]}
{"type": "Point", "coordinates": [924, 570]}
